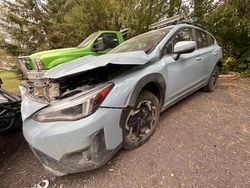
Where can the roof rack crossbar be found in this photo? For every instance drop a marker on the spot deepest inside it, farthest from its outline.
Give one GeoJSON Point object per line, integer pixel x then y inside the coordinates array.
{"type": "Point", "coordinates": [167, 21]}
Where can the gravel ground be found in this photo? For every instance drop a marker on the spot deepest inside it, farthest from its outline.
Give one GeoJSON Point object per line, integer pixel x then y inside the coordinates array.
{"type": "Point", "coordinates": [203, 141]}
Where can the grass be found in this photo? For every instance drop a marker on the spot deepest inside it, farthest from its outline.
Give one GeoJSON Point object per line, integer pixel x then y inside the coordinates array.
{"type": "Point", "coordinates": [10, 81]}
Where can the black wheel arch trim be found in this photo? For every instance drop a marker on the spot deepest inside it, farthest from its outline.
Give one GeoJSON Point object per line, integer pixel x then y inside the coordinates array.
{"type": "Point", "coordinates": [219, 63]}
{"type": "Point", "coordinates": [154, 78]}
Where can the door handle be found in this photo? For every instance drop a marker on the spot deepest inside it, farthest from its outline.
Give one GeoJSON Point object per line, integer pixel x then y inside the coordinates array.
{"type": "Point", "coordinates": [216, 53]}
{"type": "Point", "coordinates": [198, 58]}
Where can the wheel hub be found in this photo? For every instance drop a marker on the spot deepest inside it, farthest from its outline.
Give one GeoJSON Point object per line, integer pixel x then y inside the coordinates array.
{"type": "Point", "coordinates": [140, 121]}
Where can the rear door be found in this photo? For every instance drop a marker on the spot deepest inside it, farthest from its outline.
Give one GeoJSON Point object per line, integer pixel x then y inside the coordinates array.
{"type": "Point", "coordinates": [186, 73]}
{"type": "Point", "coordinates": [207, 51]}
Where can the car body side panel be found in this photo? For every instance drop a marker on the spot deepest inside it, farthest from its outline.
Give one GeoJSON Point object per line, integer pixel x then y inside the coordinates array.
{"type": "Point", "coordinates": [208, 60]}
{"type": "Point", "coordinates": [192, 71]}
{"type": "Point", "coordinates": [213, 58]}
{"type": "Point", "coordinates": [184, 74]}
{"type": "Point", "coordinates": [155, 78]}
{"type": "Point", "coordinates": [126, 84]}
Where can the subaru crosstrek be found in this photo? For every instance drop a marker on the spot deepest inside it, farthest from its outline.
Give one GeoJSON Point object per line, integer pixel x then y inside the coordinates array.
{"type": "Point", "coordinates": [93, 106]}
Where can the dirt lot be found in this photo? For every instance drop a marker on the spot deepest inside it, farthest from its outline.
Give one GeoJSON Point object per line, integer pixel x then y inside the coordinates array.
{"type": "Point", "coordinates": [203, 141]}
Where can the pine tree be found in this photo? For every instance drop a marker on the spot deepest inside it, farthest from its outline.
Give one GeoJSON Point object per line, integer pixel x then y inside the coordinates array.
{"type": "Point", "coordinates": [31, 25]}
{"type": "Point", "coordinates": [26, 26]}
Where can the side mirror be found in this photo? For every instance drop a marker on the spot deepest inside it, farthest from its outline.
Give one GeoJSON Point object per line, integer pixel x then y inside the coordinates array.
{"type": "Point", "coordinates": [98, 45]}
{"type": "Point", "coordinates": [1, 82]}
{"type": "Point", "coordinates": [183, 47]}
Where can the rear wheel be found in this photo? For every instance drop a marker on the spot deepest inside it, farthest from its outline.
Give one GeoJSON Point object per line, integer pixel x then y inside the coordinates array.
{"type": "Point", "coordinates": [212, 83]}
{"type": "Point", "coordinates": [140, 122]}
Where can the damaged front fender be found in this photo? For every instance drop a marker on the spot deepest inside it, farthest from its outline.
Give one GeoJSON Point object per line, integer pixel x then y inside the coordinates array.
{"type": "Point", "coordinates": [29, 105]}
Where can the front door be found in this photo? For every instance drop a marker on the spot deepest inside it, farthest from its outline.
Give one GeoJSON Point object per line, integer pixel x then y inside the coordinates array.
{"type": "Point", "coordinates": [186, 73]}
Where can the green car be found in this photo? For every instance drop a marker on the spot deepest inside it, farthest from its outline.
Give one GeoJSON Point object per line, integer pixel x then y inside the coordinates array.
{"type": "Point", "coordinates": [98, 43]}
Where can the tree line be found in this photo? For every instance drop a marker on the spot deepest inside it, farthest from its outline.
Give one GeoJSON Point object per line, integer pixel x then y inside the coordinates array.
{"type": "Point", "coordinates": [28, 26]}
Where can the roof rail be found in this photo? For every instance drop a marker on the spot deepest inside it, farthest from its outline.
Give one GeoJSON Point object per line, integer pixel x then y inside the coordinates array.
{"type": "Point", "coordinates": [167, 21]}
{"type": "Point", "coordinates": [192, 22]}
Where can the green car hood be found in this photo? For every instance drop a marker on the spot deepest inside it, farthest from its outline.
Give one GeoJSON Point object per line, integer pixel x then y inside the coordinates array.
{"type": "Point", "coordinates": [51, 58]}
{"type": "Point", "coordinates": [56, 52]}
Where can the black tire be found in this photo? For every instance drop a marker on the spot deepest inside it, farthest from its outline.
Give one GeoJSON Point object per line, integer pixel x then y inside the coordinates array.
{"type": "Point", "coordinates": [16, 125]}
{"type": "Point", "coordinates": [139, 123]}
{"type": "Point", "coordinates": [212, 83]}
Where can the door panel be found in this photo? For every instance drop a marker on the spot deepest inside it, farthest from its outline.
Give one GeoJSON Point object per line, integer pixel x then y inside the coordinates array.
{"type": "Point", "coordinates": [206, 60]}
{"type": "Point", "coordinates": [207, 49]}
{"type": "Point", "coordinates": [187, 73]}
{"type": "Point", "coordinates": [183, 75]}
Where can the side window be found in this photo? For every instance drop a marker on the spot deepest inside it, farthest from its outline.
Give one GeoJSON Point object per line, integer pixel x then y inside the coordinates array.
{"type": "Point", "coordinates": [110, 40]}
{"type": "Point", "coordinates": [185, 34]}
{"type": "Point", "coordinates": [106, 41]}
{"type": "Point", "coordinates": [202, 39]}
{"type": "Point", "coordinates": [211, 40]}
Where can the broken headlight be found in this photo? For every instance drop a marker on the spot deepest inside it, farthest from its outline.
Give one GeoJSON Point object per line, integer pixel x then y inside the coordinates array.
{"type": "Point", "coordinates": [75, 107]}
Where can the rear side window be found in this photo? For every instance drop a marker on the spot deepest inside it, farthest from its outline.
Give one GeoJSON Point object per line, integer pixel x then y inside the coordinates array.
{"type": "Point", "coordinates": [202, 39]}
{"type": "Point", "coordinates": [211, 39]}
{"type": "Point", "coordinates": [184, 34]}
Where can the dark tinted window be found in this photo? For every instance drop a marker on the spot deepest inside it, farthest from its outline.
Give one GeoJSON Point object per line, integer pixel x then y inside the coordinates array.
{"type": "Point", "coordinates": [211, 39]}
{"type": "Point", "coordinates": [202, 39]}
{"type": "Point", "coordinates": [110, 40]}
{"type": "Point", "coordinates": [185, 34]}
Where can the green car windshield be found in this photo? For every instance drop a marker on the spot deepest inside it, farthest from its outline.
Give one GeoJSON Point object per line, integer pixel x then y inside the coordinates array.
{"type": "Point", "coordinates": [144, 42]}
{"type": "Point", "coordinates": [87, 40]}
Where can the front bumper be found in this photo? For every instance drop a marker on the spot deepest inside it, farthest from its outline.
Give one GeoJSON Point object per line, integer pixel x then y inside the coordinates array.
{"type": "Point", "coordinates": [72, 146]}
{"type": "Point", "coordinates": [90, 158]}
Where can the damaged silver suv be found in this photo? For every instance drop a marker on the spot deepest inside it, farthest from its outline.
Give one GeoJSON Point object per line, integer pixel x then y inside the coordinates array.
{"type": "Point", "coordinates": [91, 107]}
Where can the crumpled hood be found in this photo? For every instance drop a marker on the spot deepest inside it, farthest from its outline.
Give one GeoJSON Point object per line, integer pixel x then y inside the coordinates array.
{"type": "Point", "coordinates": [91, 62]}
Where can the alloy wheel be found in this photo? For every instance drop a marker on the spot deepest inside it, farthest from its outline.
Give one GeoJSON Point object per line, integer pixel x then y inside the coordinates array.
{"type": "Point", "coordinates": [141, 121]}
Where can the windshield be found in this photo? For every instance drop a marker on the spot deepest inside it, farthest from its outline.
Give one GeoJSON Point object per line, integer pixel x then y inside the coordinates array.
{"type": "Point", "coordinates": [144, 42]}
{"type": "Point", "coordinates": [87, 40]}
